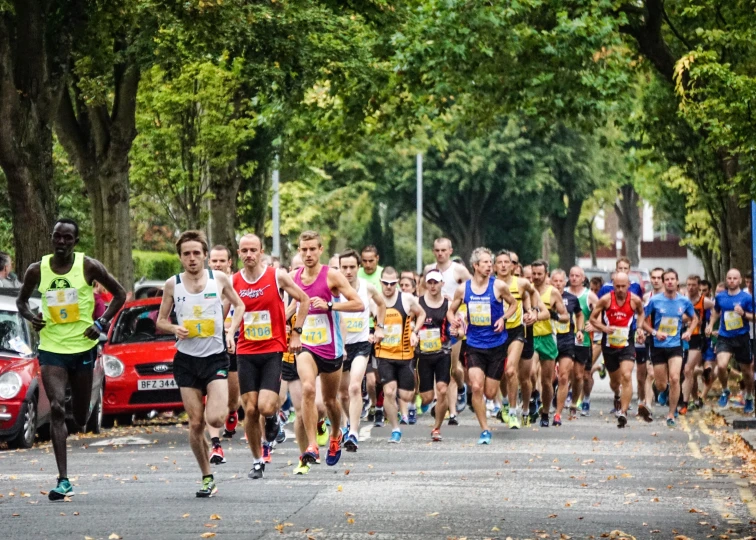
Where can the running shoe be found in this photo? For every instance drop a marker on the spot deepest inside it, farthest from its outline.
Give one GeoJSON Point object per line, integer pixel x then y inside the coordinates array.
{"type": "Point", "coordinates": [334, 450]}
{"type": "Point", "coordinates": [514, 422]}
{"type": "Point", "coordinates": [396, 437]}
{"type": "Point", "coordinates": [664, 397]}
{"type": "Point", "coordinates": [281, 437]}
{"type": "Point", "coordinates": [532, 407]}
{"type": "Point", "coordinates": [453, 421]}
{"type": "Point", "coordinates": [461, 399]}
{"type": "Point", "coordinates": [379, 418]}
{"type": "Point", "coordinates": [311, 455]}
{"type": "Point", "coordinates": [216, 455]}
{"type": "Point", "coordinates": [644, 412]}
{"type": "Point", "coordinates": [232, 420]}
{"type": "Point", "coordinates": [403, 420]}
{"type": "Point", "coordinates": [292, 416]}
{"type": "Point", "coordinates": [748, 407]}
{"type": "Point", "coordinates": [724, 399]}
{"type": "Point", "coordinates": [621, 420]}
{"type": "Point", "coordinates": [557, 420]}
{"type": "Point", "coordinates": [283, 416]}
{"type": "Point", "coordinates": [425, 408]}
{"type": "Point", "coordinates": [505, 409]}
{"type": "Point", "coordinates": [544, 420]}
{"type": "Point", "coordinates": [617, 405]}
{"type": "Point", "coordinates": [525, 420]}
{"type": "Point", "coordinates": [266, 453]}
{"type": "Point", "coordinates": [585, 410]}
{"type": "Point", "coordinates": [497, 411]}
{"type": "Point", "coordinates": [208, 488]}
{"type": "Point", "coordinates": [569, 399]}
{"type": "Point", "coordinates": [256, 472]}
{"type": "Point", "coordinates": [351, 443]}
{"type": "Point", "coordinates": [371, 414]}
{"type": "Point", "coordinates": [683, 410]}
{"type": "Point", "coordinates": [61, 491]}
{"type": "Point", "coordinates": [573, 413]}
{"type": "Point", "coordinates": [670, 422]}
{"type": "Point", "coordinates": [502, 416]}
{"type": "Point", "coordinates": [271, 428]}
{"type": "Point", "coordinates": [302, 468]}
{"type": "Point", "coordinates": [365, 411]}
{"type": "Point", "coordinates": [700, 403]}
{"type": "Point", "coordinates": [485, 437]}
{"type": "Point", "coordinates": [602, 371]}
{"type": "Point", "coordinates": [322, 435]}
{"type": "Point", "coordinates": [436, 435]}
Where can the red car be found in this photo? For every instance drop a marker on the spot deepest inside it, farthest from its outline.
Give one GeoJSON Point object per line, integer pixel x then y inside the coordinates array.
{"type": "Point", "coordinates": [138, 362]}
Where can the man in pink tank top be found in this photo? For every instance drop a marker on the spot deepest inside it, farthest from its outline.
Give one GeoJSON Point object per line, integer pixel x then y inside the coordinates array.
{"type": "Point", "coordinates": [322, 345]}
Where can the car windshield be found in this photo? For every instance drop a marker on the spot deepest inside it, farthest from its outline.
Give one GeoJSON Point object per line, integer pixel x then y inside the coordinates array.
{"type": "Point", "coordinates": [137, 325]}
{"type": "Point", "coordinates": [13, 337]}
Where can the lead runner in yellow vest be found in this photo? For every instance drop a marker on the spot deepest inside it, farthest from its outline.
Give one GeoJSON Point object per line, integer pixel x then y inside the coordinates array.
{"type": "Point", "coordinates": [68, 335]}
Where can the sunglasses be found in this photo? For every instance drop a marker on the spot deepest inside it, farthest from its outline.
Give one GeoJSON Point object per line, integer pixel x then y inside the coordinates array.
{"type": "Point", "coordinates": [389, 283]}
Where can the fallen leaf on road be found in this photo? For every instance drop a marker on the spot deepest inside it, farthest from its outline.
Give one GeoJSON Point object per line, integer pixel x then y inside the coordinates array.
{"type": "Point", "coordinates": [210, 525]}
{"type": "Point", "coordinates": [339, 488]}
{"type": "Point", "coordinates": [346, 472]}
{"type": "Point", "coordinates": [552, 516]}
{"type": "Point", "coordinates": [114, 536]}
{"type": "Point", "coordinates": [627, 475]}
{"type": "Point", "coordinates": [25, 494]}
{"type": "Point", "coordinates": [186, 515]}
{"type": "Point", "coordinates": [207, 535]}
{"type": "Point", "coordinates": [216, 517]}
{"type": "Point", "coordinates": [348, 514]}
{"type": "Point", "coordinates": [433, 514]}
{"type": "Point", "coordinates": [650, 489]}
{"type": "Point", "coordinates": [595, 439]}
{"type": "Point", "coordinates": [76, 513]}
{"type": "Point", "coordinates": [350, 521]}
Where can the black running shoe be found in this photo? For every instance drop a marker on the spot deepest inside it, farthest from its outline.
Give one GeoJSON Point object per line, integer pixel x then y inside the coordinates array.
{"type": "Point", "coordinates": [271, 428]}
{"type": "Point", "coordinates": [256, 472]}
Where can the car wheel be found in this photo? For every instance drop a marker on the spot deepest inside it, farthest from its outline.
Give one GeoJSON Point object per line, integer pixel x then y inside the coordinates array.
{"type": "Point", "coordinates": [25, 437]}
{"type": "Point", "coordinates": [94, 424]}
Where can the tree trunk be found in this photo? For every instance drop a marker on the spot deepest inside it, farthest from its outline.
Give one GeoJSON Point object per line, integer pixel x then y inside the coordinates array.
{"type": "Point", "coordinates": [99, 143]}
{"type": "Point", "coordinates": [224, 187]}
{"type": "Point", "coordinates": [564, 228]}
{"type": "Point", "coordinates": [35, 48]}
{"type": "Point", "coordinates": [592, 241]}
{"type": "Point", "coordinates": [626, 207]}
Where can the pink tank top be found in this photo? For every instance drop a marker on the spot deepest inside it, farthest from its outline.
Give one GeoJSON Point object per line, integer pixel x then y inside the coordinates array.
{"type": "Point", "coordinates": [321, 334]}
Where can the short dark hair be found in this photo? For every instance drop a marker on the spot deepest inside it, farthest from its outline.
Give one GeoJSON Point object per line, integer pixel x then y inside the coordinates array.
{"type": "Point", "coordinates": [657, 269]}
{"type": "Point", "coordinates": [623, 259]}
{"type": "Point", "coordinates": [69, 221]}
{"type": "Point", "coordinates": [5, 259]}
{"type": "Point", "coordinates": [597, 280]}
{"type": "Point", "coordinates": [671, 271]}
{"type": "Point", "coordinates": [370, 249]}
{"type": "Point", "coordinates": [349, 252]}
{"type": "Point", "coordinates": [192, 236]}
{"type": "Point", "coordinates": [694, 277]}
{"type": "Point", "coordinates": [219, 247]}
{"type": "Point", "coordinates": [705, 282]}
{"type": "Point", "coordinates": [541, 262]}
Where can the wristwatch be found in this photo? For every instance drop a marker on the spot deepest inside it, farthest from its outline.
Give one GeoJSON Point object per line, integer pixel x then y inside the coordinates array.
{"type": "Point", "coordinates": [330, 306]}
{"type": "Point", "coordinates": [653, 333]}
{"type": "Point", "coordinates": [102, 324]}
{"type": "Point", "coordinates": [297, 329]}
{"type": "Point", "coordinates": [380, 326]}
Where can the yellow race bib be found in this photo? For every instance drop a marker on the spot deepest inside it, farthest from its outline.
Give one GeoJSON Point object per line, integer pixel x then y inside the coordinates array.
{"type": "Point", "coordinates": [563, 327]}
{"type": "Point", "coordinates": [257, 326]}
{"type": "Point", "coordinates": [430, 340]}
{"type": "Point", "coordinates": [63, 305]}
{"type": "Point", "coordinates": [392, 335]}
{"type": "Point", "coordinates": [315, 330]}
{"type": "Point", "coordinates": [669, 325]}
{"type": "Point", "coordinates": [354, 325]}
{"type": "Point", "coordinates": [479, 313]}
{"type": "Point", "coordinates": [732, 320]}
{"type": "Point", "coordinates": [200, 328]}
{"type": "Point", "coordinates": [619, 338]}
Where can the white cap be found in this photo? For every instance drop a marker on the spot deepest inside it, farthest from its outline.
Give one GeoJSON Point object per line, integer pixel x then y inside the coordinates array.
{"type": "Point", "coordinates": [434, 275]}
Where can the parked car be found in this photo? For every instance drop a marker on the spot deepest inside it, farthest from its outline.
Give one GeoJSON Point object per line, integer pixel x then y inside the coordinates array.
{"type": "Point", "coordinates": [590, 273]}
{"type": "Point", "coordinates": [24, 408]}
{"type": "Point", "coordinates": [138, 361]}
{"type": "Point", "coordinates": [148, 288]}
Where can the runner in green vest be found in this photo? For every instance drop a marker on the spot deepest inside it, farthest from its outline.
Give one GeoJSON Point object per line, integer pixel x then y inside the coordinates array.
{"type": "Point", "coordinates": [68, 335]}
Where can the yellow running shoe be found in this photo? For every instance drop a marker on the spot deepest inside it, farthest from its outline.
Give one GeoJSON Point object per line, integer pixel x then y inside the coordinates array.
{"type": "Point", "coordinates": [322, 437]}
{"type": "Point", "coordinates": [301, 468]}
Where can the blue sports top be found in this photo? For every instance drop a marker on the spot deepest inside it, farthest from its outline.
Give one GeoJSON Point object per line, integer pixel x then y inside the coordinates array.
{"type": "Point", "coordinates": [483, 310]}
{"type": "Point", "coordinates": [667, 316]}
{"type": "Point", "coordinates": [730, 323]}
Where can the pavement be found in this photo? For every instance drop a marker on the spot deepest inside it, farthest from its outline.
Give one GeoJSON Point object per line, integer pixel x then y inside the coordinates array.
{"type": "Point", "coordinates": [585, 479]}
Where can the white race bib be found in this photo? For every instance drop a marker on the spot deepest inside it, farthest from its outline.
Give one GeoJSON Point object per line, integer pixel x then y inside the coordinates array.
{"type": "Point", "coordinates": [257, 326]}
{"type": "Point", "coordinates": [316, 330]}
{"type": "Point", "coordinates": [479, 313]}
{"type": "Point", "coordinates": [619, 338]}
{"type": "Point", "coordinates": [669, 325]}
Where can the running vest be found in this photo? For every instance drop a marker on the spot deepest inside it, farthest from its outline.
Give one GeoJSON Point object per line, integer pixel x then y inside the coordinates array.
{"type": "Point", "coordinates": [67, 308]}
{"type": "Point", "coordinates": [320, 331]}
{"type": "Point", "coordinates": [396, 333]}
{"type": "Point", "coordinates": [515, 321]}
{"type": "Point", "coordinates": [701, 312]}
{"type": "Point", "coordinates": [358, 324]}
{"type": "Point", "coordinates": [571, 305]}
{"type": "Point", "coordinates": [621, 317]}
{"type": "Point", "coordinates": [483, 310]}
{"type": "Point", "coordinates": [450, 284]}
{"type": "Point", "coordinates": [263, 329]}
{"type": "Point", "coordinates": [586, 309]}
{"type": "Point", "coordinates": [202, 315]}
{"type": "Point", "coordinates": [544, 328]}
{"type": "Point", "coordinates": [433, 337]}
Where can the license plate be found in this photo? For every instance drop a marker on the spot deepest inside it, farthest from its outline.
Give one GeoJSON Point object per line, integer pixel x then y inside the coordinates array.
{"type": "Point", "coordinates": [156, 384]}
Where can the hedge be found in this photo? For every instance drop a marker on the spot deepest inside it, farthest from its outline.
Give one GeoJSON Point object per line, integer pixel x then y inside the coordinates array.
{"type": "Point", "coordinates": [155, 264]}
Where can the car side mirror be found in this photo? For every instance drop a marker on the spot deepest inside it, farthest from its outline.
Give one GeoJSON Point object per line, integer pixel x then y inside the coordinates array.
{"type": "Point", "coordinates": [103, 338]}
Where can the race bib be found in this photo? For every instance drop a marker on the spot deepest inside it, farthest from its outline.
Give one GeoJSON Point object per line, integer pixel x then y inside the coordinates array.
{"type": "Point", "coordinates": [430, 340]}
{"type": "Point", "coordinates": [619, 338]}
{"type": "Point", "coordinates": [480, 313]}
{"type": "Point", "coordinates": [732, 320]}
{"type": "Point", "coordinates": [669, 325]}
{"type": "Point", "coordinates": [316, 330]}
{"type": "Point", "coordinates": [63, 305]}
{"type": "Point", "coordinates": [392, 335]}
{"type": "Point", "coordinates": [201, 324]}
{"type": "Point", "coordinates": [354, 325]}
{"type": "Point", "coordinates": [562, 327]}
{"type": "Point", "coordinates": [257, 326]}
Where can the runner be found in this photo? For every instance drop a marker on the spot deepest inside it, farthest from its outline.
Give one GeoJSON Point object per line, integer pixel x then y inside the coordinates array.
{"type": "Point", "coordinates": [359, 343]}
{"type": "Point", "coordinates": [454, 274]}
{"type": "Point", "coordinates": [697, 343]}
{"type": "Point", "coordinates": [543, 338]}
{"type": "Point", "coordinates": [396, 352]}
{"type": "Point", "coordinates": [201, 364]}
{"type": "Point", "coordinates": [597, 363]}
{"type": "Point", "coordinates": [733, 308]}
{"type": "Point", "coordinates": [583, 353]}
{"type": "Point", "coordinates": [67, 333]}
{"type": "Point", "coordinates": [664, 321]}
{"type": "Point", "coordinates": [514, 373]}
{"type": "Point", "coordinates": [613, 315]}
{"type": "Point", "coordinates": [220, 261]}
{"type": "Point", "coordinates": [322, 346]}
{"type": "Point", "coordinates": [262, 342]}
{"type": "Point", "coordinates": [434, 363]}
{"type": "Point", "coordinates": [569, 337]}
{"type": "Point", "coordinates": [486, 331]}
{"type": "Point", "coordinates": [370, 270]}
{"type": "Point", "coordinates": [644, 345]}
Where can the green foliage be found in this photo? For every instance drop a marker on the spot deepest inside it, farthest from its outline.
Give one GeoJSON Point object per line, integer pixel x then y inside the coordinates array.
{"type": "Point", "coordinates": [155, 265]}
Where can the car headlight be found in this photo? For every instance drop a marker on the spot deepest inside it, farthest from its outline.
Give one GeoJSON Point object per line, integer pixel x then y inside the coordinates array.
{"type": "Point", "coordinates": [112, 365]}
{"type": "Point", "coordinates": [10, 385]}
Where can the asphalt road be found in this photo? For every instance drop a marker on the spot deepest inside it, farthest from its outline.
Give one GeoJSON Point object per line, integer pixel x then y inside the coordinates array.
{"type": "Point", "coordinates": [584, 479]}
